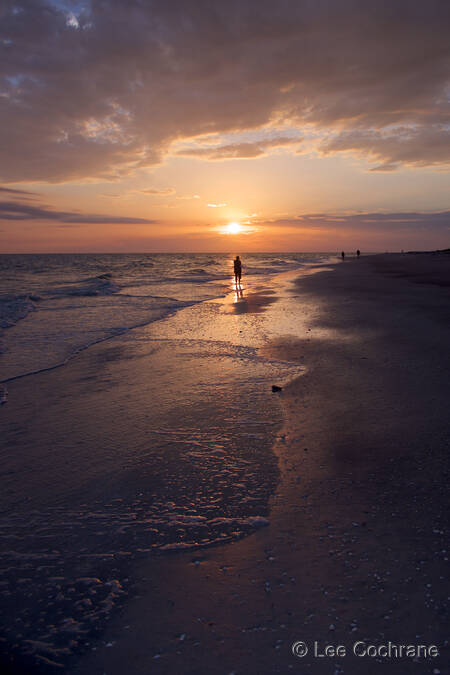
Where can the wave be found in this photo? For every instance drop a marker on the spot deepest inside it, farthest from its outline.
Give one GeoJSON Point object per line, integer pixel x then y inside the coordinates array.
{"type": "Point", "coordinates": [99, 285]}
{"type": "Point", "coordinates": [270, 271]}
{"type": "Point", "coordinates": [13, 308]}
{"type": "Point", "coordinates": [142, 263]}
{"type": "Point", "coordinates": [200, 278]}
{"type": "Point", "coordinates": [159, 312]}
{"type": "Point", "coordinates": [283, 262]}
{"type": "Point", "coordinates": [134, 300]}
{"type": "Point", "coordinates": [197, 270]}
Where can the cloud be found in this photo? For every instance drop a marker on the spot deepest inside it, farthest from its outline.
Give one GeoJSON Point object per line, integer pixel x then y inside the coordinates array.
{"type": "Point", "coordinates": [105, 88]}
{"type": "Point", "coordinates": [157, 191]}
{"type": "Point", "coordinates": [217, 206]}
{"type": "Point", "coordinates": [20, 211]}
{"type": "Point", "coordinates": [152, 192]}
{"type": "Point", "coordinates": [366, 221]}
{"type": "Point", "coordinates": [245, 150]}
{"type": "Point", "coordinates": [19, 194]}
{"type": "Point", "coordinates": [416, 147]}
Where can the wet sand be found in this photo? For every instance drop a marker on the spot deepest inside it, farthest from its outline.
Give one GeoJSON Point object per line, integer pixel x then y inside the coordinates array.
{"type": "Point", "coordinates": [357, 547]}
{"type": "Point", "coordinates": [157, 440]}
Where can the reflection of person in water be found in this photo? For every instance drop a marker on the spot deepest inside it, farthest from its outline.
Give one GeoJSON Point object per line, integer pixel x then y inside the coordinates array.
{"type": "Point", "coordinates": [238, 293]}
{"type": "Point", "coordinates": [237, 270]}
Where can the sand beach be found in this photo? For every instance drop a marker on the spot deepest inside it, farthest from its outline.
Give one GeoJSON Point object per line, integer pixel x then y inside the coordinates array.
{"type": "Point", "coordinates": [315, 515]}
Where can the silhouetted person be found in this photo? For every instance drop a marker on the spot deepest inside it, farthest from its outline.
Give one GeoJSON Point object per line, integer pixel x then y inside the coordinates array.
{"type": "Point", "coordinates": [237, 270]}
{"type": "Point", "coordinates": [343, 255]}
{"type": "Point", "coordinates": [358, 253]}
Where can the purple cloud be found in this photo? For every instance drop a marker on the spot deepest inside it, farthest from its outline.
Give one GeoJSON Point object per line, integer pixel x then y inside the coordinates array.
{"type": "Point", "coordinates": [379, 221]}
{"type": "Point", "coordinates": [243, 150]}
{"type": "Point", "coordinates": [20, 211]}
{"type": "Point", "coordinates": [105, 89]}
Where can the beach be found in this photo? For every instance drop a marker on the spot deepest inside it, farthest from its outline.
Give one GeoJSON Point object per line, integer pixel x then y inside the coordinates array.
{"type": "Point", "coordinates": [224, 337]}
{"type": "Point", "coordinates": [169, 513]}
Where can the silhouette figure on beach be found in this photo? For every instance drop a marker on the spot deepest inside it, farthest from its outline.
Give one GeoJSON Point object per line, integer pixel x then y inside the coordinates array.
{"type": "Point", "coordinates": [358, 253]}
{"type": "Point", "coordinates": [343, 255]}
{"type": "Point", "coordinates": [237, 270]}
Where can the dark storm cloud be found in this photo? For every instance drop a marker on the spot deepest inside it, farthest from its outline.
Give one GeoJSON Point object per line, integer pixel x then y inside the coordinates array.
{"type": "Point", "coordinates": [20, 211]}
{"type": "Point", "coordinates": [106, 89]}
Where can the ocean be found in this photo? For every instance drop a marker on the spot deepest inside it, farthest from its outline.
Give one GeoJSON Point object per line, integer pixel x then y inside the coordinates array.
{"type": "Point", "coordinates": [77, 300]}
{"type": "Point", "coordinates": [138, 420]}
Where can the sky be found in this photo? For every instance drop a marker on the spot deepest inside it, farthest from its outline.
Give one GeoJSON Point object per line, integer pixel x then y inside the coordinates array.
{"type": "Point", "coordinates": [205, 125]}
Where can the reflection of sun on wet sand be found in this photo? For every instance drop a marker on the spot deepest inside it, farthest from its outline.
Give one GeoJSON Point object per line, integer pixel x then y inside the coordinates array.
{"type": "Point", "coordinates": [251, 301]}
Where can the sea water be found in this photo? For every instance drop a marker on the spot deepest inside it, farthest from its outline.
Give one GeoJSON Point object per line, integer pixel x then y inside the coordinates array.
{"type": "Point", "coordinates": [57, 305]}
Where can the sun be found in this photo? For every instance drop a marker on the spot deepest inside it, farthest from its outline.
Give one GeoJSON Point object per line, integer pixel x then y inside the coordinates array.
{"type": "Point", "coordinates": [233, 228]}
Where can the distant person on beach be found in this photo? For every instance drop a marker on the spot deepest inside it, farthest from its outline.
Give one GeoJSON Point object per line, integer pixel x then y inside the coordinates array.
{"type": "Point", "coordinates": [343, 255]}
{"type": "Point", "coordinates": [358, 253]}
{"type": "Point", "coordinates": [237, 270]}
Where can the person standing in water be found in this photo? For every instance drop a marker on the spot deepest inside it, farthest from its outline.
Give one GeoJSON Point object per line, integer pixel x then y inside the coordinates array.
{"type": "Point", "coordinates": [343, 255]}
{"type": "Point", "coordinates": [358, 253]}
{"type": "Point", "coordinates": [237, 270]}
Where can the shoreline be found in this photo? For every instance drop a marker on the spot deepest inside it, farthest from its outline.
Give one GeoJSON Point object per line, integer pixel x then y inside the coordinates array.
{"type": "Point", "coordinates": [76, 470]}
{"type": "Point", "coordinates": [8, 330]}
{"type": "Point", "coordinates": [353, 550]}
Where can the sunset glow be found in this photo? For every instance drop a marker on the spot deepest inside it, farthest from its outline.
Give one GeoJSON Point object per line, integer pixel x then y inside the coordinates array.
{"type": "Point", "coordinates": [233, 228]}
{"type": "Point", "coordinates": [177, 140]}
